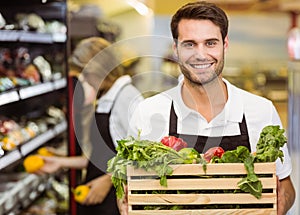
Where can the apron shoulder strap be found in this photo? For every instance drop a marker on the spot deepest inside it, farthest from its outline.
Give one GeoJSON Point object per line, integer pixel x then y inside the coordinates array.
{"type": "Point", "coordinates": [173, 121]}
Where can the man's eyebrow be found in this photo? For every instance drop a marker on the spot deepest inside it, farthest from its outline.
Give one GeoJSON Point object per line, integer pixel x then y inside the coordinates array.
{"type": "Point", "coordinates": [193, 41]}
{"type": "Point", "coordinates": [187, 41]}
{"type": "Point", "coordinates": [212, 39]}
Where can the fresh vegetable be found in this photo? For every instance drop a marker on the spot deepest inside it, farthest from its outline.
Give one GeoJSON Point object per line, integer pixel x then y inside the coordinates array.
{"type": "Point", "coordinates": [251, 183]}
{"type": "Point", "coordinates": [80, 193]}
{"type": "Point", "coordinates": [189, 155]}
{"type": "Point", "coordinates": [148, 155]}
{"type": "Point", "coordinates": [145, 154]}
{"type": "Point", "coordinates": [32, 163]}
{"type": "Point", "coordinates": [174, 142]}
{"type": "Point", "coordinates": [214, 151]}
{"type": "Point", "coordinates": [44, 152]}
{"type": "Point", "coordinates": [268, 148]}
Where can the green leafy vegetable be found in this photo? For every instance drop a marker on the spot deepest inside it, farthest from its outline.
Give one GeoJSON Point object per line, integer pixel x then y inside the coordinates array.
{"type": "Point", "coordinates": [268, 149]}
{"type": "Point", "coordinates": [270, 141]}
{"type": "Point", "coordinates": [145, 154]}
{"type": "Point", "coordinates": [251, 183]}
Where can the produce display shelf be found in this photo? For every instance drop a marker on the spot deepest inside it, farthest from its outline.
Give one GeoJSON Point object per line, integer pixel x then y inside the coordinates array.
{"type": "Point", "coordinates": [31, 91]}
{"type": "Point", "coordinates": [31, 145]}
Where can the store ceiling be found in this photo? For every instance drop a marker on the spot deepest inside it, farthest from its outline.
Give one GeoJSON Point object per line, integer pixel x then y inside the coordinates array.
{"type": "Point", "coordinates": [113, 7]}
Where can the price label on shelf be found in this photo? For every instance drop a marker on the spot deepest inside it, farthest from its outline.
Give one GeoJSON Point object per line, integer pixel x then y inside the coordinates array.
{"type": "Point", "coordinates": [61, 127]}
{"type": "Point", "coordinates": [8, 97]}
{"type": "Point", "coordinates": [35, 90]}
{"type": "Point", "coordinates": [59, 84]}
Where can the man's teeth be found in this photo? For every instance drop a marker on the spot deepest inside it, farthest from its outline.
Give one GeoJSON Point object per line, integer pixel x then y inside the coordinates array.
{"type": "Point", "coordinates": [201, 66]}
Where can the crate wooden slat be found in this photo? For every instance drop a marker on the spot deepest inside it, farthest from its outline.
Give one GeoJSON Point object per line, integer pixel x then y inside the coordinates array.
{"type": "Point", "coordinates": [266, 211]}
{"type": "Point", "coordinates": [193, 179]}
{"type": "Point", "coordinates": [190, 184]}
{"type": "Point", "coordinates": [168, 199]}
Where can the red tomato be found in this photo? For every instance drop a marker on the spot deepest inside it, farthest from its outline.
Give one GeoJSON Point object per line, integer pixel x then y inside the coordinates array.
{"type": "Point", "coordinates": [174, 142]}
{"type": "Point", "coordinates": [214, 151]}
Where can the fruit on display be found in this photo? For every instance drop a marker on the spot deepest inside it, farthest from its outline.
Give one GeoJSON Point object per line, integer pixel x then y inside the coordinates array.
{"type": "Point", "coordinates": [80, 193]}
{"type": "Point", "coordinates": [33, 163]}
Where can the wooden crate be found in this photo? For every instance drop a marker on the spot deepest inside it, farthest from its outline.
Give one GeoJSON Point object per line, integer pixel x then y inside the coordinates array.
{"type": "Point", "coordinates": [202, 191]}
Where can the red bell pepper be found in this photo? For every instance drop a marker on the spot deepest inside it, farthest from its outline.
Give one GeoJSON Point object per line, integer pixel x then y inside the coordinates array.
{"type": "Point", "coordinates": [214, 151]}
{"type": "Point", "coordinates": [174, 142]}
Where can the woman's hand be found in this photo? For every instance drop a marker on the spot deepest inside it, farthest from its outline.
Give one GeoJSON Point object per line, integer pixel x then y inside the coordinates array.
{"type": "Point", "coordinates": [51, 165]}
{"type": "Point", "coordinates": [99, 188]}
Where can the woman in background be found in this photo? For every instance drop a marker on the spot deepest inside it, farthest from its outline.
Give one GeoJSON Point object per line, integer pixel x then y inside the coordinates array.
{"type": "Point", "coordinates": [101, 72]}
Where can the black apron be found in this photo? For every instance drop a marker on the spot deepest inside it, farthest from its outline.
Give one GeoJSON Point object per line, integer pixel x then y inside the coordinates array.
{"type": "Point", "coordinates": [203, 143]}
{"type": "Point", "coordinates": [103, 149]}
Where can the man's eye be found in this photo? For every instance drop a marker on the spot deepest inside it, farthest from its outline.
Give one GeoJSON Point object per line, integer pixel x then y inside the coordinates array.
{"type": "Point", "coordinates": [211, 43]}
{"type": "Point", "coordinates": [187, 45]}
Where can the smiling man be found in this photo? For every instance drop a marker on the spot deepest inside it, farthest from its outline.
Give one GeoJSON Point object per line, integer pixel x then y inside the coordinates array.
{"type": "Point", "coordinates": [205, 109]}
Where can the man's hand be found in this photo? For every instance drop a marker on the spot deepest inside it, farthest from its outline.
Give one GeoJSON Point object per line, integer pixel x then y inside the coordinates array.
{"type": "Point", "coordinates": [123, 203]}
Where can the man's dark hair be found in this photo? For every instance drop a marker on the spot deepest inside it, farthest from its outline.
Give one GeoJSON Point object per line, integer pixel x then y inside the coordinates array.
{"type": "Point", "coordinates": [200, 10]}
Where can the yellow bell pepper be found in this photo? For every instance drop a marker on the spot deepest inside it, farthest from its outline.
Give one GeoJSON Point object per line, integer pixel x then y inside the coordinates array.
{"type": "Point", "coordinates": [80, 193]}
{"type": "Point", "coordinates": [44, 152]}
{"type": "Point", "coordinates": [32, 163]}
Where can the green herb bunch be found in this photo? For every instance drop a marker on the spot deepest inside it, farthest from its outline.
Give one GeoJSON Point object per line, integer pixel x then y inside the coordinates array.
{"type": "Point", "coordinates": [145, 154]}
{"type": "Point", "coordinates": [269, 145]}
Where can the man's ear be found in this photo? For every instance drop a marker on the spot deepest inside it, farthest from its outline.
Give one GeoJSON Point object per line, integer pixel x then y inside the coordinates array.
{"type": "Point", "coordinates": [226, 42]}
{"type": "Point", "coordinates": [174, 47]}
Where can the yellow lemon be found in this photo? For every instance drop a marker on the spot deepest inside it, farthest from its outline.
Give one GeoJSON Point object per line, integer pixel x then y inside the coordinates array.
{"type": "Point", "coordinates": [32, 163]}
{"type": "Point", "coordinates": [44, 152]}
{"type": "Point", "coordinates": [80, 193]}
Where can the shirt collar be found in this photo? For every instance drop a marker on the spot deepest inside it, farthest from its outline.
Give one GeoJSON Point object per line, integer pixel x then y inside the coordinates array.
{"type": "Point", "coordinates": [233, 108]}
{"type": "Point", "coordinates": [106, 102]}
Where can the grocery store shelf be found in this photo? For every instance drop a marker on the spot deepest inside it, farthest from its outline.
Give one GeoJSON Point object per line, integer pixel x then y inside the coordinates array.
{"type": "Point", "coordinates": [32, 37]}
{"type": "Point", "coordinates": [9, 158]}
{"type": "Point", "coordinates": [21, 193]}
{"type": "Point", "coordinates": [31, 145]}
{"type": "Point", "coordinates": [28, 92]}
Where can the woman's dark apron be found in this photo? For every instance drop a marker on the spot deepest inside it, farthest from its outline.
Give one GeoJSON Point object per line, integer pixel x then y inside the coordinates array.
{"type": "Point", "coordinates": [100, 125]}
{"type": "Point", "coordinates": [203, 143]}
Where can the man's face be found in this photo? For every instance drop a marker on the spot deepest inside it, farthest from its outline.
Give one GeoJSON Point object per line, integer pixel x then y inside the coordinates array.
{"type": "Point", "coordinates": [200, 50]}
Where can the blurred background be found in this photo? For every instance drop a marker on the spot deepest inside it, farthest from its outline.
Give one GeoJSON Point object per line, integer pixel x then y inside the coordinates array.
{"type": "Point", "coordinates": [37, 37]}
